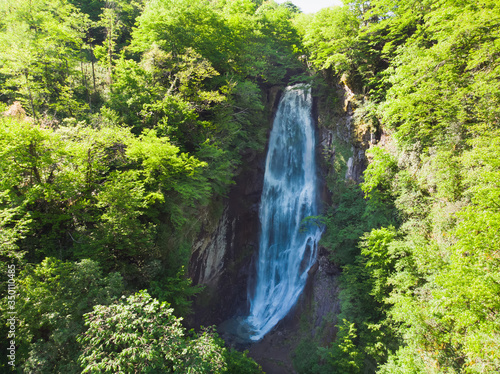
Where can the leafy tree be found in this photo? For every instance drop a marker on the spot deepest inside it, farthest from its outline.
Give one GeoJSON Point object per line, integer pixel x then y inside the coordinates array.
{"type": "Point", "coordinates": [176, 25]}
{"type": "Point", "coordinates": [277, 45]}
{"type": "Point", "coordinates": [291, 6]}
{"type": "Point", "coordinates": [142, 334]}
{"type": "Point", "coordinates": [307, 359]}
{"type": "Point", "coordinates": [331, 39]}
{"type": "Point", "coordinates": [403, 362]}
{"type": "Point", "coordinates": [92, 8]}
{"type": "Point", "coordinates": [52, 298]}
{"type": "Point", "coordinates": [436, 273]}
{"type": "Point", "coordinates": [165, 92]}
{"type": "Point", "coordinates": [27, 166]}
{"type": "Point", "coordinates": [434, 84]}
{"type": "Point", "coordinates": [239, 362]}
{"type": "Point", "coordinates": [344, 356]}
{"type": "Point", "coordinates": [40, 43]}
{"type": "Point", "coordinates": [466, 288]}
{"type": "Point", "coordinates": [177, 291]}
{"type": "Point", "coordinates": [376, 248]}
{"type": "Point", "coordinates": [106, 52]}
{"type": "Point", "coordinates": [345, 225]}
{"type": "Point", "coordinates": [88, 192]}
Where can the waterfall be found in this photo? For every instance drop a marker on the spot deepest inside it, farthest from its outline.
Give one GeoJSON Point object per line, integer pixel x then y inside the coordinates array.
{"type": "Point", "coordinates": [288, 242]}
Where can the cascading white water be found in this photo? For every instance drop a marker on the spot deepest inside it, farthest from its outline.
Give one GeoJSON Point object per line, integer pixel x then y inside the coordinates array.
{"type": "Point", "coordinates": [288, 244]}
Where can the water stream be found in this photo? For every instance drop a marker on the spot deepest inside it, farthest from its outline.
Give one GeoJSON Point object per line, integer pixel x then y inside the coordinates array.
{"type": "Point", "coordinates": [288, 240]}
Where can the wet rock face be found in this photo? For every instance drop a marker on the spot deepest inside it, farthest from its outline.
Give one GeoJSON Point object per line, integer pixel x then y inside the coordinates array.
{"type": "Point", "coordinates": [221, 259]}
{"type": "Point", "coordinates": [211, 250]}
{"type": "Point", "coordinates": [356, 164]}
{"type": "Point", "coordinates": [340, 148]}
{"type": "Point", "coordinates": [343, 137]}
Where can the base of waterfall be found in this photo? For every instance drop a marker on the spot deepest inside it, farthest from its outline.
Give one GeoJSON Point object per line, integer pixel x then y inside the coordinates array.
{"type": "Point", "coordinates": [237, 332]}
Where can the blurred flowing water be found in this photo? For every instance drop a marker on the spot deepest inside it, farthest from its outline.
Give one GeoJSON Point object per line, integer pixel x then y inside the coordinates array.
{"type": "Point", "coordinates": [288, 241]}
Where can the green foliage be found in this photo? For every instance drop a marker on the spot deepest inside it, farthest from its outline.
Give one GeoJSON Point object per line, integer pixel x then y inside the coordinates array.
{"type": "Point", "coordinates": [176, 25]}
{"type": "Point", "coordinates": [142, 334]}
{"type": "Point", "coordinates": [364, 337]}
{"type": "Point", "coordinates": [177, 291]}
{"type": "Point", "coordinates": [307, 359]}
{"type": "Point", "coordinates": [345, 225]}
{"type": "Point", "coordinates": [238, 362]}
{"type": "Point", "coordinates": [435, 89]}
{"type": "Point", "coordinates": [32, 184]}
{"type": "Point", "coordinates": [442, 193]}
{"type": "Point", "coordinates": [344, 356]}
{"type": "Point", "coordinates": [146, 95]}
{"type": "Point", "coordinates": [403, 362]}
{"type": "Point", "coordinates": [467, 286]}
{"type": "Point", "coordinates": [39, 43]}
{"type": "Point", "coordinates": [379, 173]}
{"type": "Point", "coordinates": [429, 70]}
{"type": "Point", "coordinates": [52, 298]}
{"type": "Point", "coordinates": [93, 193]}
{"type": "Point", "coordinates": [92, 8]}
{"type": "Point", "coordinates": [331, 36]}
{"type": "Point", "coordinates": [376, 248]}
{"type": "Point", "coordinates": [277, 42]}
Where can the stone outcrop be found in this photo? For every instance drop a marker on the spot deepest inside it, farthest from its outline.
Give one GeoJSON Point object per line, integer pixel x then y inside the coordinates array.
{"type": "Point", "coordinates": [211, 251]}
{"type": "Point", "coordinates": [221, 259]}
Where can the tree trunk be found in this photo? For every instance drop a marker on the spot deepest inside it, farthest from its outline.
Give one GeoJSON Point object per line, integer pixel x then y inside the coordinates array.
{"type": "Point", "coordinates": [30, 96]}
{"type": "Point", "coordinates": [92, 61]}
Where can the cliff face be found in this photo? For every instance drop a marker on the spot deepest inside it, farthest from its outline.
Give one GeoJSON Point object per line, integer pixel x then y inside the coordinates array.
{"type": "Point", "coordinates": [221, 259]}
{"type": "Point", "coordinates": [343, 135]}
